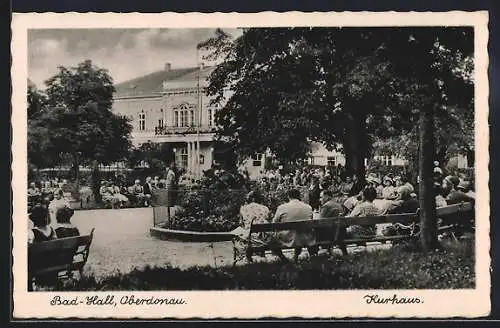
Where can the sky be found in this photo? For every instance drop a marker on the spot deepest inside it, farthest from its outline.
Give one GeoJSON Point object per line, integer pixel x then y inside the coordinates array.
{"type": "Point", "coordinates": [126, 53]}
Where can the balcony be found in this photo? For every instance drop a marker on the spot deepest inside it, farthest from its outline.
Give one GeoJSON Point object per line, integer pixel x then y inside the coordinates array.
{"type": "Point", "coordinates": [173, 130]}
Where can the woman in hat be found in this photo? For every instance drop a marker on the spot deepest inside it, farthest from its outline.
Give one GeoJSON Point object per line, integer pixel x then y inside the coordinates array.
{"type": "Point", "coordinates": [388, 192]}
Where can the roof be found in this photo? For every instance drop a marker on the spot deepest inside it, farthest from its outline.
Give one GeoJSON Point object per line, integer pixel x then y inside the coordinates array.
{"type": "Point", "coordinates": [152, 83]}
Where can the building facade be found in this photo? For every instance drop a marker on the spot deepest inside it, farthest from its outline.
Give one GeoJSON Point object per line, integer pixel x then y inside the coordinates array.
{"type": "Point", "coordinates": [170, 106]}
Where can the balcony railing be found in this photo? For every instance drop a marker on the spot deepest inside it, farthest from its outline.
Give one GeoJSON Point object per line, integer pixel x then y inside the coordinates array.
{"type": "Point", "coordinates": [169, 130]}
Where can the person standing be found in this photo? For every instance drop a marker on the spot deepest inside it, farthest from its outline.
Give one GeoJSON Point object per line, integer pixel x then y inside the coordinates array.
{"type": "Point", "coordinates": [148, 190]}
{"type": "Point", "coordinates": [314, 193]}
{"type": "Point", "coordinates": [171, 184]}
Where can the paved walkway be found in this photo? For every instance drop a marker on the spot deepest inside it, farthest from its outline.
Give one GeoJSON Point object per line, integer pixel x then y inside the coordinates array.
{"type": "Point", "coordinates": [122, 242]}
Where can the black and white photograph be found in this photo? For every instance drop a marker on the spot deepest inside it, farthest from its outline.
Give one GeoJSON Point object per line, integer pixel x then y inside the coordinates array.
{"type": "Point", "coordinates": [270, 158]}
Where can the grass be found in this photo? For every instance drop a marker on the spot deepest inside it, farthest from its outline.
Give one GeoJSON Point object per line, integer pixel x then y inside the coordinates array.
{"type": "Point", "coordinates": [400, 267]}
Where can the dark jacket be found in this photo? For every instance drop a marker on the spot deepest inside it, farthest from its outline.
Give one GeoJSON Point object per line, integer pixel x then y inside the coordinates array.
{"type": "Point", "coordinates": [147, 189]}
{"type": "Point", "coordinates": [67, 231]}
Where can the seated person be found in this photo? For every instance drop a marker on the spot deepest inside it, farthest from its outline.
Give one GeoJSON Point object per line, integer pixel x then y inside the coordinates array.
{"type": "Point", "coordinates": [331, 209]}
{"type": "Point", "coordinates": [42, 231]}
{"type": "Point", "coordinates": [105, 192]}
{"type": "Point", "coordinates": [388, 192]}
{"type": "Point", "coordinates": [64, 226]}
{"type": "Point", "coordinates": [364, 208]}
{"type": "Point", "coordinates": [294, 210]}
{"type": "Point", "coordinates": [253, 211]}
{"type": "Point", "coordinates": [455, 195]}
{"type": "Point", "coordinates": [351, 202]}
{"type": "Point", "coordinates": [440, 200]}
{"type": "Point", "coordinates": [118, 198]}
{"type": "Point", "coordinates": [57, 203]}
{"type": "Point", "coordinates": [403, 203]}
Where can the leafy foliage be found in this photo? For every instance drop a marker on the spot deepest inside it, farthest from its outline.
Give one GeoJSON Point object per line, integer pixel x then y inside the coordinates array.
{"type": "Point", "coordinates": [344, 86]}
{"type": "Point", "coordinates": [76, 119]}
{"type": "Point", "coordinates": [156, 155]}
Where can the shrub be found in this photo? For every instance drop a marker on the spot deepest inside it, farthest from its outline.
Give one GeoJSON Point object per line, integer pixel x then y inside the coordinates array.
{"type": "Point", "coordinates": [397, 268]}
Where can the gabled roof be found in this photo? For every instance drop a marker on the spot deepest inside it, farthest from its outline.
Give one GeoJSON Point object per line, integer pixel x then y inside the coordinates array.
{"type": "Point", "coordinates": [152, 83]}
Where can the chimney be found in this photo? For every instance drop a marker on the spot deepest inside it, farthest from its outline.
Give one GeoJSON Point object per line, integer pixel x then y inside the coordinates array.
{"type": "Point", "coordinates": [168, 66]}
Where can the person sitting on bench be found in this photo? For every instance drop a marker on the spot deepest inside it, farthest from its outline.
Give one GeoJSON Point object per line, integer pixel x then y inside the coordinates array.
{"type": "Point", "coordinates": [42, 231]}
{"type": "Point", "coordinates": [294, 210]}
{"type": "Point", "coordinates": [64, 226]}
{"type": "Point", "coordinates": [251, 212]}
{"type": "Point", "coordinates": [331, 209]}
{"type": "Point", "coordinates": [364, 208]}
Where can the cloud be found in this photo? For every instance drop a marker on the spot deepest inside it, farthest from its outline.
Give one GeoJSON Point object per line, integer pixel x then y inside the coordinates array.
{"type": "Point", "coordinates": [125, 53]}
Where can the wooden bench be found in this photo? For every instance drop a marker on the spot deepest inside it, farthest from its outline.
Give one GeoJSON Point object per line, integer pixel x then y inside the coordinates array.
{"type": "Point", "coordinates": [457, 215]}
{"type": "Point", "coordinates": [59, 257]}
{"type": "Point", "coordinates": [456, 218]}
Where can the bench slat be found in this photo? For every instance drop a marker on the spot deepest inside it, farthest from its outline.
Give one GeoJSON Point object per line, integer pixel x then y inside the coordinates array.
{"type": "Point", "coordinates": [333, 222]}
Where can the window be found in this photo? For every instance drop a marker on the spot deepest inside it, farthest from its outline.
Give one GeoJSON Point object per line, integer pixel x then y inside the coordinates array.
{"type": "Point", "coordinates": [192, 118]}
{"type": "Point", "coordinates": [184, 118]}
{"type": "Point", "coordinates": [210, 121]}
{"type": "Point", "coordinates": [142, 121]}
{"type": "Point", "coordinates": [257, 160]}
{"type": "Point", "coordinates": [331, 160]}
{"type": "Point", "coordinates": [160, 123]}
{"type": "Point", "coordinates": [182, 157]}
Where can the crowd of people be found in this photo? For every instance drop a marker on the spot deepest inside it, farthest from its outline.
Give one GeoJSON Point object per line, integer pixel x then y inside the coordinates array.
{"type": "Point", "coordinates": [341, 196]}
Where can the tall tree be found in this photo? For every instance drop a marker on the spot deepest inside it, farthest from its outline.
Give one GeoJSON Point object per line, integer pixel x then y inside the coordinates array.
{"type": "Point", "coordinates": [77, 115]}
{"type": "Point", "coordinates": [425, 59]}
{"type": "Point", "coordinates": [299, 85]}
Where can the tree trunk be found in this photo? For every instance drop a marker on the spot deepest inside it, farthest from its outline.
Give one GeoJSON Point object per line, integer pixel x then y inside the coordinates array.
{"type": "Point", "coordinates": [427, 200]}
{"type": "Point", "coordinates": [470, 157]}
{"type": "Point", "coordinates": [355, 145]}
{"type": "Point", "coordinates": [96, 184]}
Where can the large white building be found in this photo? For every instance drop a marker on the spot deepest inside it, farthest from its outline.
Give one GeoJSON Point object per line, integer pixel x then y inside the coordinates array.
{"type": "Point", "coordinates": [170, 106]}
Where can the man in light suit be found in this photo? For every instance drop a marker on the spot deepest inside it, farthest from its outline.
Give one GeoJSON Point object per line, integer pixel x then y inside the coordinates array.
{"type": "Point", "coordinates": [295, 210]}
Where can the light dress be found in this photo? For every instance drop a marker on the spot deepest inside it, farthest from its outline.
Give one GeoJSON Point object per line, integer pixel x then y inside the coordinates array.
{"type": "Point", "coordinates": [252, 212]}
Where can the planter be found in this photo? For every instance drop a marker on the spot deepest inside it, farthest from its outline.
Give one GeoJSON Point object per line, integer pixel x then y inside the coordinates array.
{"type": "Point", "coordinates": [190, 236]}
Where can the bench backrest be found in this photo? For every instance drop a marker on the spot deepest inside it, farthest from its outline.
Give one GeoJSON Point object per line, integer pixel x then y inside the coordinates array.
{"type": "Point", "coordinates": [58, 255]}
{"type": "Point", "coordinates": [334, 222]}
{"type": "Point", "coordinates": [443, 212]}
{"type": "Point", "coordinates": [454, 209]}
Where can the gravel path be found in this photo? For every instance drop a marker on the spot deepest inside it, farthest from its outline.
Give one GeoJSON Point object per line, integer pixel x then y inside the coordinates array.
{"type": "Point", "coordinates": [122, 242]}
